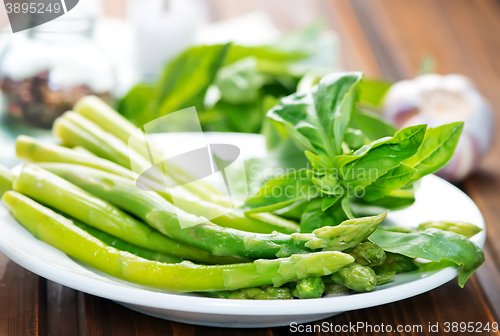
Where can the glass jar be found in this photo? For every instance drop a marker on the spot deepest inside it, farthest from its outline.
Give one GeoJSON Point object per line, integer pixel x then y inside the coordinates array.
{"type": "Point", "coordinates": [46, 70]}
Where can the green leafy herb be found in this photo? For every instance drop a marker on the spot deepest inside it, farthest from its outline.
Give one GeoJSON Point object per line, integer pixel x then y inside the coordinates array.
{"type": "Point", "coordinates": [185, 80]}
{"type": "Point", "coordinates": [374, 160]}
{"type": "Point", "coordinates": [434, 245]}
{"type": "Point", "coordinates": [318, 120]}
{"type": "Point", "coordinates": [372, 91]}
{"type": "Point", "coordinates": [394, 179]}
{"type": "Point", "coordinates": [315, 217]}
{"type": "Point", "coordinates": [437, 149]}
{"type": "Point", "coordinates": [371, 124]}
{"type": "Point", "coordinates": [281, 192]}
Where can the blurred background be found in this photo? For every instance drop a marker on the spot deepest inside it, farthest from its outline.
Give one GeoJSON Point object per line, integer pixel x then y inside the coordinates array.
{"type": "Point", "coordinates": [233, 60]}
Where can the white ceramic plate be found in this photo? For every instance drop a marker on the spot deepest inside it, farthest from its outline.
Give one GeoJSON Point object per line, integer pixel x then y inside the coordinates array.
{"type": "Point", "coordinates": [436, 200]}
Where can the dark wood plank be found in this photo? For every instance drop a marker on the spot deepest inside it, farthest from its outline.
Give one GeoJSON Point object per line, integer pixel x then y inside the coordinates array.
{"type": "Point", "coordinates": [444, 304]}
{"type": "Point", "coordinates": [22, 301]}
{"type": "Point", "coordinates": [62, 310]}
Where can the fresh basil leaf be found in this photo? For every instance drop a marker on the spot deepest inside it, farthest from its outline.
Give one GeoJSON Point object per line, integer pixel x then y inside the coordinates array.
{"type": "Point", "coordinates": [136, 105]}
{"type": "Point", "coordinates": [434, 245]}
{"type": "Point", "coordinates": [274, 132]}
{"type": "Point", "coordinates": [296, 113]}
{"type": "Point", "coordinates": [436, 150]}
{"type": "Point", "coordinates": [394, 179]}
{"type": "Point", "coordinates": [328, 202]}
{"type": "Point", "coordinates": [346, 207]}
{"type": "Point", "coordinates": [320, 163]}
{"type": "Point", "coordinates": [314, 217]}
{"type": "Point", "coordinates": [355, 139]}
{"type": "Point", "coordinates": [333, 101]}
{"type": "Point", "coordinates": [240, 82]}
{"type": "Point", "coordinates": [294, 211]}
{"type": "Point", "coordinates": [374, 160]}
{"type": "Point", "coordinates": [238, 52]}
{"type": "Point", "coordinates": [243, 118]}
{"type": "Point", "coordinates": [185, 80]}
{"type": "Point", "coordinates": [318, 120]}
{"type": "Point", "coordinates": [284, 158]}
{"type": "Point", "coordinates": [372, 91]}
{"type": "Point", "coordinates": [328, 184]}
{"type": "Point", "coordinates": [281, 192]}
{"type": "Point", "coordinates": [371, 124]}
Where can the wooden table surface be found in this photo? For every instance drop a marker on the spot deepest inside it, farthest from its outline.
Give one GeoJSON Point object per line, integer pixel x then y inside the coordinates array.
{"type": "Point", "coordinates": [382, 38]}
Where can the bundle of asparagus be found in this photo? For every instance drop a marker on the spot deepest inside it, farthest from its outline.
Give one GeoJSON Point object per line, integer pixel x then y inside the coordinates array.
{"type": "Point", "coordinates": [81, 197]}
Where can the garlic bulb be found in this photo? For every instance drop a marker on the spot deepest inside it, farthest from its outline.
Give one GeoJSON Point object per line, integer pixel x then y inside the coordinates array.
{"type": "Point", "coordinates": [436, 100]}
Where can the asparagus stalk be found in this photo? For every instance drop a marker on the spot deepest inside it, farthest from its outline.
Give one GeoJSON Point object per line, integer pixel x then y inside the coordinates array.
{"type": "Point", "coordinates": [73, 128]}
{"type": "Point", "coordinates": [356, 277]}
{"type": "Point", "coordinates": [96, 110]}
{"type": "Point", "coordinates": [6, 179]}
{"type": "Point", "coordinates": [254, 293]}
{"type": "Point", "coordinates": [59, 194]}
{"type": "Point", "coordinates": [35, 150]}
{"type": "Point", "coordinates": [110, 147]}
{"type": "Point", "coordinates": [332, 288]}
{"type": "Point", "coordinates": [199, 232]}
{"type": "Point", "coordinates": [124, 246]}
{"type": "Point", "coordinates": [384, 277]}
{"type": "Point", "coordinates": [82, 150]}
{"type": "Point", "coordinates": [396, 263]}
{"type": "Point", "coordinates": [309, 288]}
{"type": "Point", "coordinates": [60, 232]}
{"type": "Point", "coordinates": [368, 254]}
{"type": "Point", "coordinates": [467, 229]}
{"type": "Point", "coordinates": [115, 150]}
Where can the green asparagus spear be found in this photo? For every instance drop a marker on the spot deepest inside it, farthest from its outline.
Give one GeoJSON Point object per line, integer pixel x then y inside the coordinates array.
{"type": "Point", "coordinates": [254, 293]}
{"type": "Point", "coordinates": [232, 218]}
{"type": "Point", "coordinates": [97, 111]}
{"type": "Point", "coordinates": [332, 288]}
{"type": "Point", "coordinates": [396, 263]}
{"type": "Point", "coordinates": [368, 254]}
{"type": "Point", "coordinates": [466, 229]}
{"type": "Point", "coordinates": [60, 232]}
{"type": "Point", "coordinates": [35, 150]}
{"type": "Point", "coordinates": [124, 246]}
{"type": "Point", "coordinates": [69, 127]}
{"type": "Point", "coordinates": [82, 150]}
{"type": "Point", "coordinates": [463, 228]}
{"type": "Point", "coordinates": [59, 194]}
{"type": "Point", "coordinates": [384, 277]}
{"type": "Point", "coordinates": [6, 179]}
{"type": "Point", "coordinates": [356, 277]}
{"type": "Point", "coordinates": [166, 218]}
{"type": "Point", "coordinates": [110, 147]}
{"type": "Point", "coordinates": [309, 288]}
